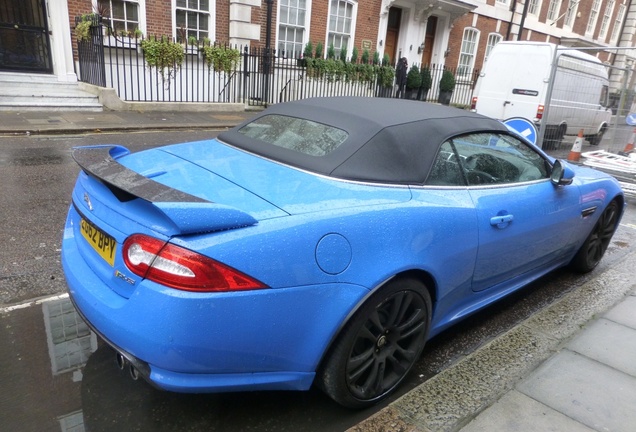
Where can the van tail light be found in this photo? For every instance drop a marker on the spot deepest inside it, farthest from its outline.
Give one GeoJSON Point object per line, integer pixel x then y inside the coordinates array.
{"type": "Point", "coordinates": [540, 112]}
{"type": "Point", "coordinates": [473, 103]}
{"type": "Point", "coordinates": [180, 268]}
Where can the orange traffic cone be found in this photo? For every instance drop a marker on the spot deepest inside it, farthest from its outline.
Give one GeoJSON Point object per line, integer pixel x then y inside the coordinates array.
{"type": "Point", "coordinates": [575, 153]}
{"type": "Point", "coordinates": [630, 145]}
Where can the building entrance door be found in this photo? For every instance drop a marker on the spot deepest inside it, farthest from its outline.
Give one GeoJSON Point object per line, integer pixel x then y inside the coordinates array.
{"type": "Point", "coordinates": [24, 37]}
{"type": "Point", "coordinates": [392, 34]}
{"type": "Point", "coordinates": [429, 40]}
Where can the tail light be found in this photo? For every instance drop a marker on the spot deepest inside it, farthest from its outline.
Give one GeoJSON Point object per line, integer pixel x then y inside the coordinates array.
{"type": "Point", "coordinates": [540, 112]}
{"type": "Point", "coordinates": [473, 103]}
{"type": "Point", "coordinates": [181, 268]}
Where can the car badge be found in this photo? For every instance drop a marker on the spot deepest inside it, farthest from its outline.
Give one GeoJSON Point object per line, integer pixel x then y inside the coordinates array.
{"type": "Point", "coordinates": [88, 201]}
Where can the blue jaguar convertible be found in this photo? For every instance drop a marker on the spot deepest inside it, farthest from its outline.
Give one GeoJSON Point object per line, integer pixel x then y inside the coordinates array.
{"type": "Point", "coordinates": [320, 243]}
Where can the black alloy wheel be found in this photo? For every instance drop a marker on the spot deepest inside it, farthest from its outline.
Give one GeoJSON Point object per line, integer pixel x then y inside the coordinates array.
{"type": "Point", "coordinates": [597, 242]}
{"type": "Point", "coordinates": [379, 346]}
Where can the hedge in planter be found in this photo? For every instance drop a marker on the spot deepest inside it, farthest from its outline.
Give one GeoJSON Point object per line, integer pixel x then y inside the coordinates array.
{"type": "Point", "coordinates": [413, 82]}
{"type": "Point", "coordinates": [446, 87]}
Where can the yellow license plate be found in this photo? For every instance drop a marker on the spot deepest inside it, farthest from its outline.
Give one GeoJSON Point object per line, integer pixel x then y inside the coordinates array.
{"type": "Point", "coordinates": [103, 244]}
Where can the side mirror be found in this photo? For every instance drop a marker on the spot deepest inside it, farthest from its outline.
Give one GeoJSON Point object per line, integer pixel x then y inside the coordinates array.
{"type": "Point", "coordinates": [562, 175]}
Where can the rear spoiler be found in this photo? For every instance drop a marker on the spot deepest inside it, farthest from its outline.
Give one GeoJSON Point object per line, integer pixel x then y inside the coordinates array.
{"type": "Point", "coordinates": [189, 213]}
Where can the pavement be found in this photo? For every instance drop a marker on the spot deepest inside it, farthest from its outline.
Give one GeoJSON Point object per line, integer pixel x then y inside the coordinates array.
{"type": "Point", "coordinates": [78, 122]}
{"type": "Point", "coordinates": [569, 367]}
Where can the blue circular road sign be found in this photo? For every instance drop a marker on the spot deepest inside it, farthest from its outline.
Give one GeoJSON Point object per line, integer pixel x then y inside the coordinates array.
{"type": "Point", "coordinates": [523, 127]}
{"type": "Point", "coordinates": [631, 119]}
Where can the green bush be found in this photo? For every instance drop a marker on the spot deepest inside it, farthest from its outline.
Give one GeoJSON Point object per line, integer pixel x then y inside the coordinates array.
{"type": "Point", "coordinates": [331, 52]}
{"type": "Point", "coordinates": [447, 83]}
{"type": "Point", "coordinates": [365, 56]}
{"type": "Point", "coordinates": [319, 50]}
{"type": "Point", "coordinates": [165, 55]}
{"type": "Point", "coordinates": [413, 78]}
{"type": "Point", "coordinates": [427, 79]}
{"type": "Point", "coordinates": [354, 55]}
{"type": "Point", "coordinates": [309, 50]}
{"type": "Point", "coordinates": [221, 58]}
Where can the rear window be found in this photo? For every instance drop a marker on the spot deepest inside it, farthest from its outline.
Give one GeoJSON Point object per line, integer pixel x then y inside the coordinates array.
{"type": "Point", "coordinates": [301, 135]}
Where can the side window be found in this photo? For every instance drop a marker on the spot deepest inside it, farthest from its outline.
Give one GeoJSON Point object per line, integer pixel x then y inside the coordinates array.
{"type": "Point", "coordinates": [498, 158]}
{"type": "Point", "coordinates": [446, 170]}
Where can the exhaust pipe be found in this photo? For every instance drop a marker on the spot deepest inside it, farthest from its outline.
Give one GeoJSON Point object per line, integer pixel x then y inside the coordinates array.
{"type": "Point", "coordinates": [121, 361]}
{"type": "Point", "coordinates": [134, 374]}
{"type": "Point", "coordinates": [136, 368]}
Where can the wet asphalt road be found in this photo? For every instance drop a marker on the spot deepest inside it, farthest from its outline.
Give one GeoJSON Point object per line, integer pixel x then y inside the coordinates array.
{"type": "Point", "coordinates": [53, 372]}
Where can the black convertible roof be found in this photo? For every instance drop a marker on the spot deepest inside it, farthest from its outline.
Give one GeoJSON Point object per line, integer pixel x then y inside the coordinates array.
{"type": "Point", "coordinates": [389, 140]}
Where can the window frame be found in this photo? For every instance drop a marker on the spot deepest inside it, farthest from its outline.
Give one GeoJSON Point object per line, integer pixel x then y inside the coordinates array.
{"type": "Point", "coordinates": [305, 28]}
{"type": "Point", "coordinates": [534, 8]}
{"type": "Point", "coordinates": [593, 18]}
{"type": "Point", "coordinates": [490, 46]}
{"type": "Point", "coordinates": [553, 10]}
{"type": "Point", "coordinates": [141, 15]}
{"type": "Point", "coordinates": [570, 15]}
{"type": "Point", "coordinates": [352, 24]}
{"type": "Point", "coordinates": [211, 13]}
{"type": "Point", "coordinates": [607, 17]}
{"type": "Point", "coordinates": [618, 22]}
{"type": "Point", "coordinates": [463, 67]}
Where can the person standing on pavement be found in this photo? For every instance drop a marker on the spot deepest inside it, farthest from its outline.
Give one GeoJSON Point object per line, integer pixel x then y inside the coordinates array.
{"type": "Point", "coordinates": [400, 76]}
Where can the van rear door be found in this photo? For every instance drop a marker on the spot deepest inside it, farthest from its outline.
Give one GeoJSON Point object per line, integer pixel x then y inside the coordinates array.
{"type": "Point", "coordinates": [514, 83]}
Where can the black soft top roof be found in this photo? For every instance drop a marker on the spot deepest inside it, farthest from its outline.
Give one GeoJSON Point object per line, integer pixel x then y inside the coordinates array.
{"type": "Point", "coordinates": [390, 140]}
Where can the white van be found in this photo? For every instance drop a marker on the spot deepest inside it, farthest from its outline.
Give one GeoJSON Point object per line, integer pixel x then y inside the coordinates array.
{"type": "Point", "coordinates": [514, 83]}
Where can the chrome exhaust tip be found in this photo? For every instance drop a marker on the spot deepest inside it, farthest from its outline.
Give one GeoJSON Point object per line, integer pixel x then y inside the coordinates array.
{"type": "Point", "coordinates": [121, 361]}
{"type": "Point", "coordinates": [134, 374]}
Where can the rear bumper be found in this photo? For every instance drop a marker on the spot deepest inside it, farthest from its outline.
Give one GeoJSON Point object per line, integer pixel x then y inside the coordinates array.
{"type": "Point", "coordinates": [269, 339]}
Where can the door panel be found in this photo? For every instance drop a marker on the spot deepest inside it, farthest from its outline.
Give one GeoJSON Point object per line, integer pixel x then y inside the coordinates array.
{"type": "Point", "coordinates": [24, 38]}
{"type": "Point", "coordinates": [522, 228]}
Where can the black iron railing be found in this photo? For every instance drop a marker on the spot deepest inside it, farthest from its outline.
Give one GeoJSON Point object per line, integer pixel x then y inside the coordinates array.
{"type": "Point", "coordinates": [122, 63]}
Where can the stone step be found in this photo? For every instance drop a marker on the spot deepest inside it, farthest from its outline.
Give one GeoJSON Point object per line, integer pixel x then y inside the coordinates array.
{"type": "Point", "coordinates": [37, 92]}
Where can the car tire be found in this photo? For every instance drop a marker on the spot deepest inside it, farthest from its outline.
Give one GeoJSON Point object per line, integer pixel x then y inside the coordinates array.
{"type": "Point", "coordinates": [595, 245]}
{"type": "Point", "coordinates": [597, 138]}
{"type": "Point", "coordinates": [378, 346]}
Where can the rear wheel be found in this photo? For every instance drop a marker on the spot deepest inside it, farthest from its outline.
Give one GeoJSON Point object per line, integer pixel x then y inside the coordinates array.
{"type": "Point", "coordinates": [379, 345]}
{"type": "Point", "coordinates": [597, 138]}
{"type": "Point", "coordinates": [553, 137]}
{"type": "Point", "coordinates": [597, 242]}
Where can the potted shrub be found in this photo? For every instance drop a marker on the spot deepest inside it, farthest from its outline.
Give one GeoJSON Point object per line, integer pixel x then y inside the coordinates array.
{"type": "Point", "coordinates": [446, 87]}
{"type": "Point", "coordinates": [427, 83]}
{"type": "Point", "coordinates": [413, 82]}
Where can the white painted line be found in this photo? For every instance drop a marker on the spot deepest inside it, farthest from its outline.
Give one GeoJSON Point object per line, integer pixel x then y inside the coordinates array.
{"type": "Point", "coordinates": [32, 303]}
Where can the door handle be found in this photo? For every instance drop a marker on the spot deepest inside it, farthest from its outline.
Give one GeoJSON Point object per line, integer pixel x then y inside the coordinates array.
{"type": "Point", "coordinates": [501, 221]}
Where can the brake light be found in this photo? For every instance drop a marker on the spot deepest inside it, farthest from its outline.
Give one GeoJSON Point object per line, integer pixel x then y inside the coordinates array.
{"type": "Point", "coordinates": [473, 103]}
{"type": "Point", "coordinates": [181, 268]}
{"type": "Point", "coordinates": [539, 112]}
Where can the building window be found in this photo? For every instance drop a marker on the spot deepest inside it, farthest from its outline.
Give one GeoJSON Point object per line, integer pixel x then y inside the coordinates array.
{"type": "Point", "coordinates": [193, 19]}
{"type": "Point", "coordinates": [341, 16]}
{"type": "Point", "coordinates": [607, 16]}
{"type": "Point", "coordinates": [502, 2]}
{"type": "Point", "coordinates": [468, 50]}
{"type": "Point", "coordinates": [618, 22]}
{"type": "Point", "coordinates": [591, 22]}
{"type": "Point", "coordinates": [573, 6]}
{"type": "Point", "coordinates": [553, 10]}
{"type": "Point", "coordinates": [493, 39]}
{"type": "Point", "coordinates": [292, 15]}
{"type": "Point", "coordinates": [121, 15]}
{"type": "Point", "coordinates": [533, 7]}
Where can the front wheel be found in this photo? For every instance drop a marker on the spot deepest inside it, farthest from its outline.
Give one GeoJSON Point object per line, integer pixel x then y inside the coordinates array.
{"type": "Point", "coordinates": [597, 242]}
{"type": "Point", "coordinates": [378, 346]}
